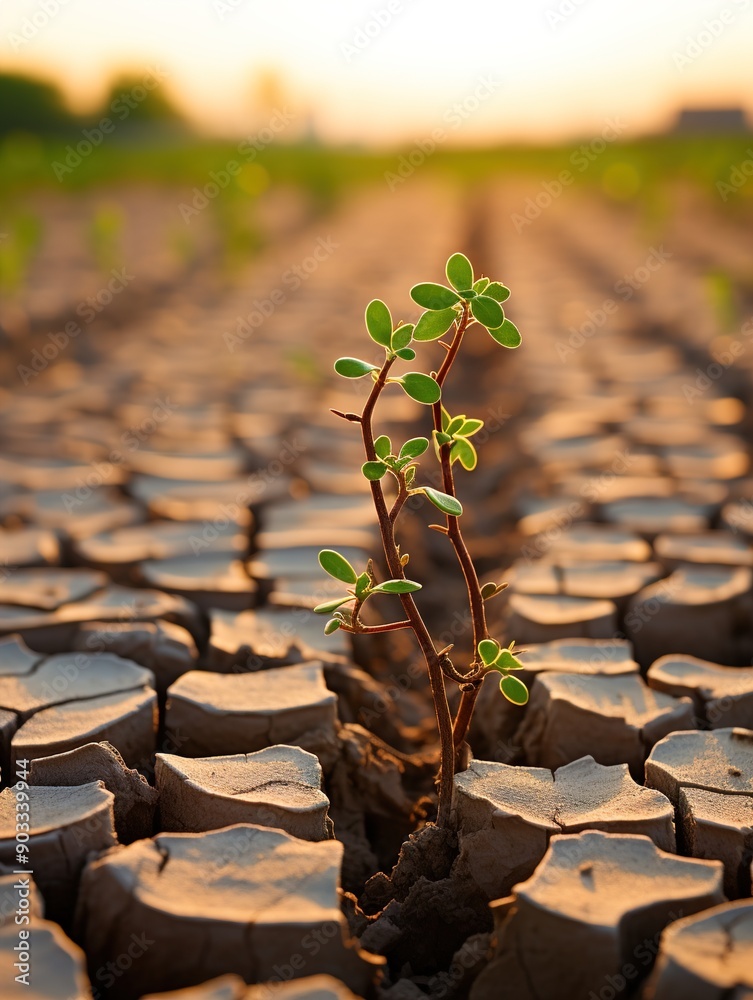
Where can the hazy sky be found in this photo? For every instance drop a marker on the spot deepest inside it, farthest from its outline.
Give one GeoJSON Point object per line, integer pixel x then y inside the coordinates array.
{"type": "Point", "coordinates": [508, 68]}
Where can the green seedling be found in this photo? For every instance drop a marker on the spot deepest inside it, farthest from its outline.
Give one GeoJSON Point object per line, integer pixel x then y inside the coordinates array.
{"type": "Point", "coordinates": [450, 310]}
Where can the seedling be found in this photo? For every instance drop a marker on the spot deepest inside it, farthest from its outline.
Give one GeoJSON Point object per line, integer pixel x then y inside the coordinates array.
{"type": "Point", "coordinates": [449, 311]}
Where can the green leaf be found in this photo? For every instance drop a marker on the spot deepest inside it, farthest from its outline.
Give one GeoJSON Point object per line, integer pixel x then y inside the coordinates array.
{"type": "Point", "coordinates": [379, 322]}
{"type": "Point", "coordinates": [383, 446]}
{"type": "Point", "coordinates": [514, 690]}
{"type": "Point", "coordinates": [406, 353]}
{"type": "Point", "coordinates": [396, 587]}
{"type": "Point", "coordinates": [442, 437]}
{"type": "Point", "coordinates": [362, 584]}
{"type": "Point", "coordinates": [414, 447]}
{"type": "Point", "coordinates": [480, 285]}
{"type": "Point", "coordinates": [353, 367]}
{"type": "Point", "coordinates": [447, 504]}
{"type": "Point", "coordinates": [402, 337]}
{"type": "Point", "coordinates": [463, 451]}
{"type": "Point", "coordinates": [507, 334]}
{"type": "Point", "coordinates": [432, 325]}
{"type": "Point", "coordinates": [445, 419]}
{"type": "Point", "coordinates": [328, 606]}
{"type": "Point", "coordinates": [487, 311]}
{"type": "Point", "coordinates": [410, 475]}
{"type": "Point", "coordinates": [508, 661]}
{"type": "Point", "coordinates": [422, 388]}
{"type": "Point", "coordinates": [488, 650]}
{"type": "Point", "coordinates": [373, 470]}
{"type": "Point", "coordinates": [459, 271]}
{"type": "Point", "coordinates": [490, 590]}
{"type": "Point", "coordinates": [454, 425]}
{"type": "Point", "coordinates": [496, 290]}
{"type": "Point", "coordinates": [470, 427]}
{"type": "Point", "coordinates": [337, 566]}
{"type": "Point", "coordinates": [467, 294]}
{"type": "Point", "coordinates": [332, 626]}
{"type": "Point", "coordinates": [431, 296]}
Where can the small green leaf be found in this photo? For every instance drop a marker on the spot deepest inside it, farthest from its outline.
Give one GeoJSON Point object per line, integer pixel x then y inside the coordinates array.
{"type": "Point", "coordinates": [422, 388]}
{"type": "Point", "coordinates": [373, 470]}
{"type": "Point", "coordinates": [470, 427]}
{"type": "Point", "coordinates": [329, 606]}
{"type": "Point", "coordinates": [332, 626]}
{"type": "Point", "coordinates": [496, 290]}
{"type": "Point", "coordinates": [454, 425]}
{"type": "Point", "coordinates": [414, 447]}
{"type": "Point", "coordinates": [432, 325]}
{"type": "Point", "coordinates": [508, 661]}
{"type": "Point", "coordinates": [490, 590]}
{"type": "Point", "coordinates": [445, 503]}
{"type": "Point", "coordinates": [431, 296]}
{"type": "Point", "coordinates": [507, 334]}
{"type": "Point", "coordinates": [459, 271]}
{"type": "Point", "coordinates": [445, 419]}
{"type": "Point", "coordinates": [488, 650]}
{"type": "Point", "coordinates": [353, 367]}
{"type": "Point", "coordinates": [383, 446]}
{"type": "Point", "coordinates": [402, 337]}
{"type": "Point", "coordinates": [514, 690]}
{"type": "Point", "coordinates": [379, 322]}
{"type": "Point", "coordinates": [396, 587]}
{"type": "Point", "coordinates": [410, 475]}
{"type": "Point", "coordinates": [487, 311]}
{"type": "Point", "coordinates": [406, 353]}
{"type": "Point", "coordinates": [463, 451]}
{"type": "Point", "coordinates": [480, 285]}
{"type": "Point", "coordinates": [467, 294]}
{"type": "Point", "coordinates": [337, 566]}
{"type": "Point", "coordinates": [362, 584]}
{"type": "Point", "coordinates": [442, 437]}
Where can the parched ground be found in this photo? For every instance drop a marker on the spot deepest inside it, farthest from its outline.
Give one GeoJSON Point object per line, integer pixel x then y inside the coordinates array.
{"type": "Point", "coordinates": [215, 788]}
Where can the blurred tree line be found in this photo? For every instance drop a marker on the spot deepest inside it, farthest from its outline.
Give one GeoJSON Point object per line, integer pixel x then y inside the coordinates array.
{"type": "Point", "coordinates": [32, 105]}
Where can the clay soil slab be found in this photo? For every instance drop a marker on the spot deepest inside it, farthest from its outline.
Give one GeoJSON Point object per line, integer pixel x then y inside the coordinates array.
{"type": "Point", "coordinates": [233, 988]}
{"type": "Point", "coordinates": [716, 548]}
{"type": "Point", "coordinates": [651, 516]}
{"type": "Point", "coordinates": [16, 657]}
{"type": "Point", "coordinates": [215, 580]}
{"type": "Point", "coordinates": [48, 589]}
{"type": "Point", "coordinates": [269, 637]}
{"type": "Point", "coordinates": [19, 894]}
{"type": "Point", "coordinates": [127, 720]}
{"type": "Point", "coordinates": [197, 501]}
{"type": "Point", "coordinates": [245, 900]}
{"type": "Point", "coordinates": [29, 547]}
{"type": "Point", "coordinates": [496, 720]}
{"type": "Point", "coordinates": [166, 649]}
{"type": "Point", "coordinates": [723, 696]}
{"type": "Point", "coordinates": [135, 799]}
{"type": "Point", "coordinates": [707, 956]}
{"type": "Point", "coordinates": [540, 618]}
{"type": "Point", "coordinates": [58, 966]}
{"type": "Point", "coordinates": [717, 826]}
{"type": "Point", "coordinates": [586, 913]}
{"type": "Point", "coordinates": [614, 718]}
{"type": "Point", "coordinates": [66, 823]}
{"type": "Point", "coordinates": [506, 815]}
{"type": "Point", "coordinates": [600, 542]}
{"type": "Point", "coordinates": [696, 610]}
{"type": "Point", "coordinates": [279, 786]}
{"type": "Point", "coordinates": [719, 761]}
{"type": "Point", "coordinates": [240, 713]}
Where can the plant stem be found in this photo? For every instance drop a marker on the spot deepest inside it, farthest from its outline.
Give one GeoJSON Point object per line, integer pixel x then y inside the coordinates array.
{"type": "Point", "coordinates": [454, 532]}
{"type": "Point", "coordinates": [436, 677]}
